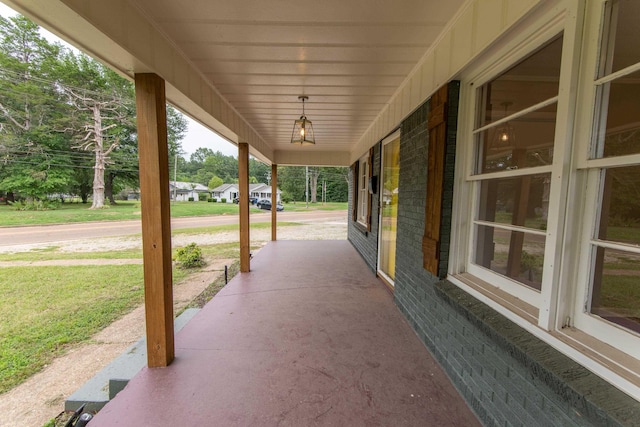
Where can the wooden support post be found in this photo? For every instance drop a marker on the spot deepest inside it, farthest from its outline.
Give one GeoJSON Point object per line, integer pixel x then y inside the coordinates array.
{"type": "Point", "coordinates": [243, 179]}
{"type": "Point", "coordinates": [274, 200]}
{"type": "Point", "coordinates": [156, 226]}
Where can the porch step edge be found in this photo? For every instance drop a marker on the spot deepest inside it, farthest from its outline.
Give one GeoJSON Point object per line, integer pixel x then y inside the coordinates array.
{"type": "Point", "coordinates": [95, 392]}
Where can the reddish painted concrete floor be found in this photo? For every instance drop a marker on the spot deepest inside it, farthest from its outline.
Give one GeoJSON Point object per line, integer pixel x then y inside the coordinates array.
{"type": "Point", "coordinates": [308, 337]}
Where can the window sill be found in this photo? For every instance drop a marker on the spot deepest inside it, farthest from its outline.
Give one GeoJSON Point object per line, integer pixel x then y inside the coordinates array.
{"type": "Point", "coordinates": [505, 299]}
{"type": "Point", "coordinates": [610, 357]}
{"type": "Point", "coordinates": [361, 227]}
{"type": "Point", "coordinates": [564, 360]}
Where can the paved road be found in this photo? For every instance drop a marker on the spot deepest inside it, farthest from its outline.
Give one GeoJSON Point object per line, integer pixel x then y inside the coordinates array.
{"type": "Point", "coordinates": [10, 236]}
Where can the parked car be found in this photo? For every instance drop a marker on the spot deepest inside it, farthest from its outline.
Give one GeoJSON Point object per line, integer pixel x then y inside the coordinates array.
{"type": "Point", "coordinates": [266, 204]}
{"type": "Point", "coordinates": [252, 200]}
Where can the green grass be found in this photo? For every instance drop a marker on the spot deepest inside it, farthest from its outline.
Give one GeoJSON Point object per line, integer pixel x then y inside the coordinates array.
{"type": "Point", "coordinates": [43, 310]}
{"type": "Point", "coordinates": [52, 255]}
{"type": "Point", "coordinates": [124, 210]}
{"type": "Point", "coordinates": [301, 206]}
{"type": "Point", "coordinates": [624, 234]}
{"type": "Point", "coordinates": [621, 294]}
{"type": "Point", "coordinates": [130, 210]}
{"type": "Point", "coordinates": [46, 310]}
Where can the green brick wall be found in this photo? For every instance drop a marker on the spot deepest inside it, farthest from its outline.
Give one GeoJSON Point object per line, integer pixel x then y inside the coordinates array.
{"type": "Point", "coordinates": [508, 376]}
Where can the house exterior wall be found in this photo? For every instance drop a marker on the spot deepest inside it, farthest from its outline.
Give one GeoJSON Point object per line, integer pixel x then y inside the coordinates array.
{"type": "Point", "coordinates": [507, 375]}
{"type": "Point", "coordinates": [366, 242]}
{"type": "Point", "coordinates": [228, 194]}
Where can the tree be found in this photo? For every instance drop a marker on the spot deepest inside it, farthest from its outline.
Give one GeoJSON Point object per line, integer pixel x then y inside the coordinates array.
{"type": "Point", "coordinates": [291, 180]}
{"type": "Point", "coordinates": [313, 184]}
{"type": "Point", "coordinates": [214, 182]}
{"type": "Point", "coordinates": [259, 171]}
{"type": "Point", "coordinates": [103, 109]}
{"type": "Point", "coordinates": [34, 159]}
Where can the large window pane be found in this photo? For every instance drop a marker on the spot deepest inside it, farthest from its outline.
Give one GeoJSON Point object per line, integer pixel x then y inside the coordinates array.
{"type": "Point", "coordinates": [616, 287]}
{"type": "Point", "coordinates": [622, 36]}
{"type": "Point", "coordinates": [620, 211]}
{"type": "Point", "coordinates": [513, 254]}
{"type": "Point", "coordinates": [520, 143]}
{"type": "Point", "coordinates": [522, 201]}
{"type": "Point", "coordinates": [528, 83]}
{"type": "Point", "coordinates": [620, 127]}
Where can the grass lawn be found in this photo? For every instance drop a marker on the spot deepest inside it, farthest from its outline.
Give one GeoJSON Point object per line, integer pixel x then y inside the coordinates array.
{"type": "Point", "coordinates": [129, 210]}
{"type": "Point", "coordinates": [302, 207]}
{"type": "Point", "coordinates": [46, 310]}
{"type": "Point", "coordinates": [621, 294]}
{"type": "Point", "coordinates": [68, 213]}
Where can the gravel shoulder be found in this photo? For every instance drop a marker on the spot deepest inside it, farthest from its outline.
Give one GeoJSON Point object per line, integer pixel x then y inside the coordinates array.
{"type": "Point", "coordinates": [42, 396]}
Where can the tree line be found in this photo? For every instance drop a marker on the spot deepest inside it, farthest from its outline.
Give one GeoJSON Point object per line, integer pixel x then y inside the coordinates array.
{"type": "Point", "coordinates": [214, 169]}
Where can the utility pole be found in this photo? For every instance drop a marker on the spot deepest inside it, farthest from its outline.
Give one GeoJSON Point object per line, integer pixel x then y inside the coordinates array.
{"type": "Point", "coordinates": [175, 177]}
{"type": "Point", "coordinates": [306, 185]}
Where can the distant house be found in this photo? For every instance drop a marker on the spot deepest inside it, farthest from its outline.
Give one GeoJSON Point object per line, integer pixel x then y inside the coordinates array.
{"type": "Point", "coordinates": [230, 192]}
{"type": "Point", "coordinates": [225, 191]}
{"type": "Point", "coordinates": [262, 191]}
{"type": "Point", "coordinates": [183, 191]}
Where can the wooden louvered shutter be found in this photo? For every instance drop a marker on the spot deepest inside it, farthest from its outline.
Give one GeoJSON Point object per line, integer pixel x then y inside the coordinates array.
{"type": "Point", "coordinates": [437, 126]}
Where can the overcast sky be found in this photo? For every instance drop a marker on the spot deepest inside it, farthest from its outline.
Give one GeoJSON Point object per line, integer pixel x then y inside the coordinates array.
{"type": "Point", "coordinates": [197, 135]}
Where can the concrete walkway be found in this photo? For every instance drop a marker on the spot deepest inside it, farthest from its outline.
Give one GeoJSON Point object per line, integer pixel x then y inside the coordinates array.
{"type": "Point", "coordinates": [309, 337]}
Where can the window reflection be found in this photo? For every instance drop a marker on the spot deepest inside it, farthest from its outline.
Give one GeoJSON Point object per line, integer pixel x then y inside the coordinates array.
{"type": "Point", "coordinates": [616, 287]}
{"type": "Point", "coordinates": [530, 143]}
{"type": "Point", "coordinates": [624, 48]}
{"type": "Point", "coordinates": [621, 101]}
{"type": "Point", "coordinates": [522, 201]}
{"type": "Point", "coordinates": [528, 83]}
{"type": "Point", "coordinates": [513, 254]}
{"type": "Point", "coordinates": [620, 212]}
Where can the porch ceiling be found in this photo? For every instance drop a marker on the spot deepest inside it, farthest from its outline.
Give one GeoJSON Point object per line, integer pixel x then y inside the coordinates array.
{"type": "Point", "coordinates": [258, 56]}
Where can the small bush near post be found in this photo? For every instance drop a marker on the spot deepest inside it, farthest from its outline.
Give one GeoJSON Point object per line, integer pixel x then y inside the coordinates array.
{"type": "Point", "coordinates": [202, 197]}
{"type": "Point", "coordinates": [190, 256]}
{"type": "Point", "coordinates": [223, 200]}
{"type": "Point", "coordinates": [191, 199]}
{"type": "Point", "coordinates": [211, 200]}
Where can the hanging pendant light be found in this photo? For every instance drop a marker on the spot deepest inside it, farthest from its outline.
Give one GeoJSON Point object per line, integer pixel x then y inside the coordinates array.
{"type": "Point", "coordinates": [302, 128]}
{"type": "Point", "coordinates": [505, 135]}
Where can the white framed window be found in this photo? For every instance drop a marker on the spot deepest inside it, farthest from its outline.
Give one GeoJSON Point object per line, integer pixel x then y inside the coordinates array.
{"type": "Point", "coordinates": [514, 135]}
{"type": "Point", "coordinates": [607, 302]}
{"type": "Point", "coordinates": [363, 190]}
{"type": "Point", "coordinates": [547, 229]}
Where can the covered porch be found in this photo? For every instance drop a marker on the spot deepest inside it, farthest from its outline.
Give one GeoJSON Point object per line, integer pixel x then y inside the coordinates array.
{"type": "Point", "coordinates": [309, 337]}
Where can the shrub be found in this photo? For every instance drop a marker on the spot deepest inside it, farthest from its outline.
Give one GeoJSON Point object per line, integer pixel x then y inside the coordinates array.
{"type": "Point", "coordinates": [191, 199]}
{"type": "Point", "coordinates": [211, 200]}
{"type": "Point", "coordinates": [35, 205]}
{"type": "Point", "coordinates": [286, 197]}
{"type": "Point", "coordinates": [190, 256]}
{"type": "Point", "coordinates": [223, 200]}
{"type": "Point", "coordinates": [202, 197]}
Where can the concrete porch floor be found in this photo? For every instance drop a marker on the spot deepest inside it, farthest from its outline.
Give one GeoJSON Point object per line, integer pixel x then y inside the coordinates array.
{"type": "Point", "coordinates": [308, 337]}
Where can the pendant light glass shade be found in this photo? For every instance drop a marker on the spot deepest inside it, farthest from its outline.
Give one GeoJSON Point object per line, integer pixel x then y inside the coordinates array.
{"type": "Point", "coordinates": [302, 128]}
